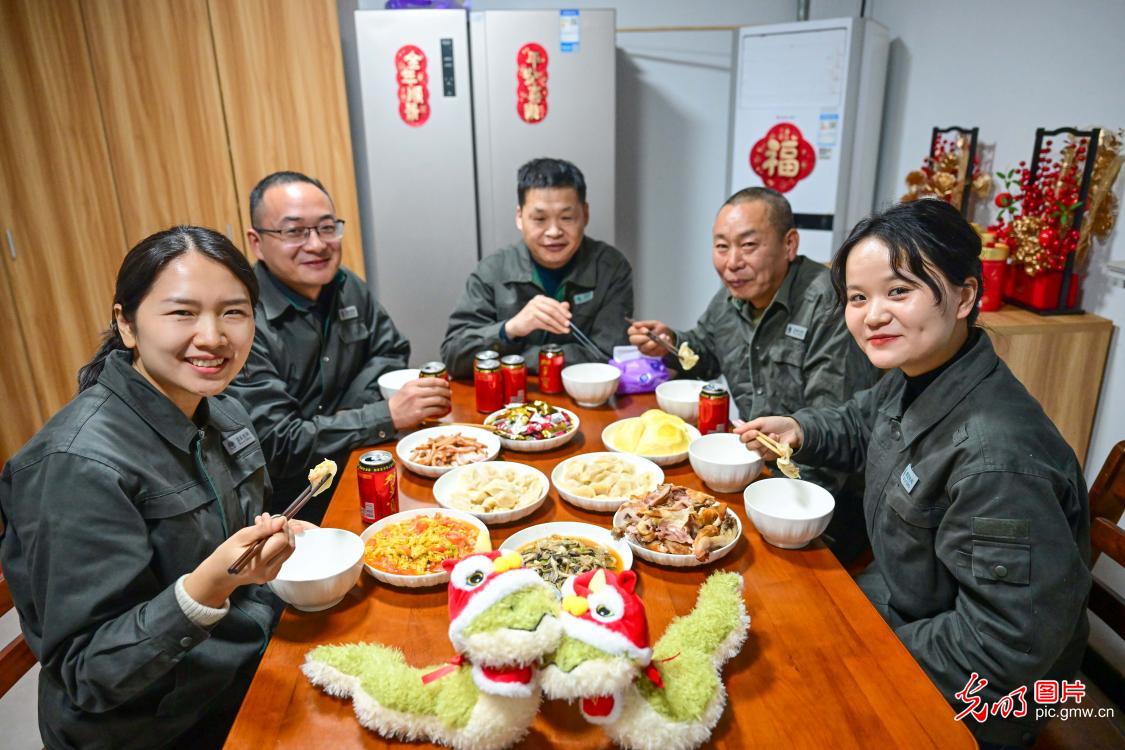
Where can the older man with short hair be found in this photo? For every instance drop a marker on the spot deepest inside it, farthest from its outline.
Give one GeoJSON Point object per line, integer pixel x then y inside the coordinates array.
{"type": "Point", "coordinates": [776, 332]}
{"type": "Point", "coordinates": [527, 295]}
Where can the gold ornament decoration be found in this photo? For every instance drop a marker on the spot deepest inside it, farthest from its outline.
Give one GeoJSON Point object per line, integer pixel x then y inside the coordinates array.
{"type": "Point", "coordinates": [943, 175]}
{"type": "Point", "coordinates": [1101, 202]}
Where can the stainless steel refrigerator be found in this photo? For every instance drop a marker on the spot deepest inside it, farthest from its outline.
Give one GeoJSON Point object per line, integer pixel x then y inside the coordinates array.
{"type": "Point", "coordinates": [453, 103]}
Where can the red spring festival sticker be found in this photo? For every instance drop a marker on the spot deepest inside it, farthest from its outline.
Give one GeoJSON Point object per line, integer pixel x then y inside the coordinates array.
{"type": "Point", "coordinates": [413, 85]}
{"type": "Point", "coordinates": [531, 75]}
{"type": "Point", "coordinates": [783, 157]}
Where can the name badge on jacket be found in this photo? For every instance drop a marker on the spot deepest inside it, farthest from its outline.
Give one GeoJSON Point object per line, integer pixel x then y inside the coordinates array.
{"type": "Point", "coordinates": [908, 478]}
{"type": "Point", "coordinates": [581, 299]}
{"type": "Point", "coordinates": [795, 331]}
{"type": "Point", "coordinates": [349, 312]}
{"type": "Point", "coordinates": [238, 440]}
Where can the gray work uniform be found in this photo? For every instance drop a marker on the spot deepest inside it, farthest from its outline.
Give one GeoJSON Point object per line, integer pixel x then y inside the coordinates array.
{"type": "Point", "coordinates": [799, 354]}
{"type": "Point", "coordinates": [598, 286]}
{"type": "Point", "coordinates": [310, 385]}
{"type": "Point", "coordinates": [105, 508]}
{"type": "Point", "coordinates": [978, 517]}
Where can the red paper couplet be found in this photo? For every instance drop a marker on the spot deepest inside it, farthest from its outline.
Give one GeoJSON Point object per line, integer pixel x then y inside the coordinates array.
{"type": "Point", "coordinates": [531, 78]}
{"type": "Point", "coordinates": [413, 85]}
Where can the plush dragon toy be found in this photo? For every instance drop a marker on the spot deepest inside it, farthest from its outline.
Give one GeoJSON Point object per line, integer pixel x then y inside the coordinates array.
{"type": "Point", "coordinates": [664, 698]}
{"type": "Point", "coordinates": [503, 620]}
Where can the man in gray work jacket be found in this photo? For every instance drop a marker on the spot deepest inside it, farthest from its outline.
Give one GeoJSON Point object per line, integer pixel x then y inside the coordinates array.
{"type": "Point", "coordinates": [322, 341]}
{"type": "Point", "coordinates": [528, 294]}
{"type": "Point", "coordinates": [776, 332]}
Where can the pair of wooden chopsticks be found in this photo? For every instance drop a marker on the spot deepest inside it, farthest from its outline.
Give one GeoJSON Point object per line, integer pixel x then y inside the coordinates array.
{"type": "Point", "coordinates": [784, 463]}
{"type": "Point", "coordinates": [479, 426]}
{"type": "Point", "coordinates": [783, 451]}
{"type": "Point", "coordinates": [291, 511]}
{"type": "Point", "coordinates": [587, 342]}
{"type": "Point", "coordinates": [653, 337]}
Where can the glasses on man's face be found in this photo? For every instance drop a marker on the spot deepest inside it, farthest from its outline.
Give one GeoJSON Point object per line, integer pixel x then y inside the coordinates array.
{"type": "Point", "coordinates": [328, 231]}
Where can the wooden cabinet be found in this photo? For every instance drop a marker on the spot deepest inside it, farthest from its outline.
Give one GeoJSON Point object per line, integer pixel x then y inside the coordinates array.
{"type": "Point", "coordinates": [1060, 359]}
{"type": "Point", "coordinates": [22, 415]}
{"type": "Point", "coordinates": [158, 85]}
{"type": "Point", "coordinates": [282, 76]}
{"type": "Point", "coordinates": [59, 200]}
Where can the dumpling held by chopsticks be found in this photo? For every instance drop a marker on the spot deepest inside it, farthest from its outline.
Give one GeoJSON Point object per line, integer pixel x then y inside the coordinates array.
{"type": "Point", "coordinates": [327, 467]}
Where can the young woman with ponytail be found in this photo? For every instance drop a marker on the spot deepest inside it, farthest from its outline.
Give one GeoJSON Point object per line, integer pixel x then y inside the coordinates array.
{"type": "Point", "coordinates": [124, 512]}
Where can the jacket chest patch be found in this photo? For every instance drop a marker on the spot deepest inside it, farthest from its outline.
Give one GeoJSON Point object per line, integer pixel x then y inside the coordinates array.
{"type": "Point", "coordinates": [583, 298]}
{"type": "Point", "coordinates": [238, 440]}
{"type": "Point", "coordinates": [908, 478]}
{"type": "Point", "coordinates": [349, 312]}
{"type": "Point", "coordinates": [795, 331]}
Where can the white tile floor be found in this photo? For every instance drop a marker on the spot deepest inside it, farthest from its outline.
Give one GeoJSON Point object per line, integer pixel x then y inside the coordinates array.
{"type": "Point", "coordinates": [18, 708]}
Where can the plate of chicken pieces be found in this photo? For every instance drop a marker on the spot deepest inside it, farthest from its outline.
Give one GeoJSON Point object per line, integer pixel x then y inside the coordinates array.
{"type": "Point", "coordinates": [677, 526]}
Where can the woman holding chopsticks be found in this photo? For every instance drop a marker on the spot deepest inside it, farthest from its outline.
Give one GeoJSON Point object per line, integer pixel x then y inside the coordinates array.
{"type": "Point", "coordinates": [123, 514]}
{"type": "Point", "coordinates": [975, 505]}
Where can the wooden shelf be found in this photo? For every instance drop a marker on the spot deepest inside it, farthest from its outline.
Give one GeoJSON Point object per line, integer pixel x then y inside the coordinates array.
{"type": "Point", "coordinates": [1060, 359]}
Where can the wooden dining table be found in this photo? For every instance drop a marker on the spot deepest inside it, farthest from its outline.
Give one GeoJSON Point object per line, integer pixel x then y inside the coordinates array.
{"type": "Point", "coordinates": [820, 668]}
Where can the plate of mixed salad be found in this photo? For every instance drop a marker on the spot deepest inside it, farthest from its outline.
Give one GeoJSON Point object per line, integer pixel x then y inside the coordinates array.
{"type": "Point", "coordinates": [533, 427]}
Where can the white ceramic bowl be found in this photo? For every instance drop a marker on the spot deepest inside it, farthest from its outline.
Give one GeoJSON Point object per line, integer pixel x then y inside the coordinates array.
{"type": "Point", "coordinates": [537, 446]}
{"type": "Point", "coordinates": [674, 458]}
{"type": "Point", "coordinates": [391, 382]}
{"type": "Point", "coordinates": [683, 561]}
{"type": "Point", "coordinates": [595, 534]}
{"type": "Point", "coordinates": [322, 569]}
{"type": "Point", "coordinates": [590, 384]}
{"type": "Point", "coordinates": [484, 544]}
{"type": "Point", "coordinates": [722, 461]}
{"type": "Point", "coordinates": [445, 492]}
{"type": "Point", "coordinates": [408, 443]}
{"type": "Point", "coordinates": [680, 397]}
{"type": "Point", "coordinates": [605, 504]}
{"type": "Point", "coordinates": [789, 513]}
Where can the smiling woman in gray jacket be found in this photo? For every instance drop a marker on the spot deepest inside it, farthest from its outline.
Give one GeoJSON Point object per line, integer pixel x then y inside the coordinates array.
{"type": "Point", "coordinates": [122, 515]}
{"type": "Point", "coordinates": [975, 505]}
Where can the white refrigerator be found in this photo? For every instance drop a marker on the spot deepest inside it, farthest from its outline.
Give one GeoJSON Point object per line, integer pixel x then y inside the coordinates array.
{"type": "Point", "coordinates": [453, 103]}
{"type": "Point", "coordinates": [807, 110]}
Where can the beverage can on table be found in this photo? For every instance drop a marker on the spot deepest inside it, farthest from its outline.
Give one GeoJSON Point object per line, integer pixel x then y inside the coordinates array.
{"type": "Point", "coordinates": [714, 409]}
{"type": "Point", "coordinates": [378, 486]}
{"type": "Point", "coordinates": [551, 363]}
{"type": "Point", "coordinates": [489, 385]}
{"type": "Point", "coordinates": [486, 354]}
{"type": "Point", "coordinates": [436, 370]}
{"type": "Point", "coordinates": [513, 368]}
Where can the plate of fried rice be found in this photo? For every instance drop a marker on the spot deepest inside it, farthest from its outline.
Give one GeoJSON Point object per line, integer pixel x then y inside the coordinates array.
{"type": "Point", "coordinates": [407, 549]}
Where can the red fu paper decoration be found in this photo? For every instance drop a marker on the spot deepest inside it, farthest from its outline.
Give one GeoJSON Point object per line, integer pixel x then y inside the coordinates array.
{"type": "Point", "coordinates": [783, 157]}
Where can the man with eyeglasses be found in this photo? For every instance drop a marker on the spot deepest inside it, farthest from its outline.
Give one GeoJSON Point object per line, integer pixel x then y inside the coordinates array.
{"type": "Point", "coordinates": [776, 332]}
{"type": "Point", "coordinates": [322, 341]}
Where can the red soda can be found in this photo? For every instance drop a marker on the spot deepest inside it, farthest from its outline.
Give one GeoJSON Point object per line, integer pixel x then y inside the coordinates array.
{"type": "Point", "coordinates": [486, 354]}
{"type": "Point", "coordinates": [514, 371]}
{"type": "Point", "coordinates": [378, 486]}
{"type": "Point", "coordinates": [714, 409]}
{"type": "Point", "coordinates": [435, 370]}
{"type": "Point", "coordinates": [489, 385]}
{"type": "Point", "coordinates": [551, 362]}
